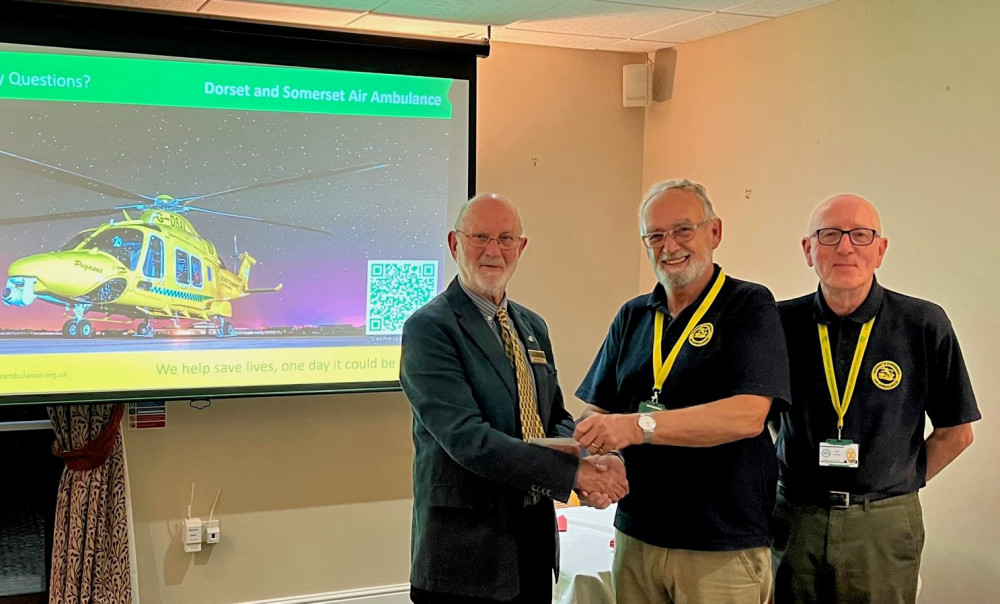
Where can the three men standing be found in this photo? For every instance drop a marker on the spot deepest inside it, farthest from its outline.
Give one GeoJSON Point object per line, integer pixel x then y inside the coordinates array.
{"type": "Point", "coordinates": [683, 385]}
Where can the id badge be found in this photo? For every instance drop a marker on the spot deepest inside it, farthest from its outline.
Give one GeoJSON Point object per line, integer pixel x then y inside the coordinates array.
{"type": "Point", "coordinates": [650, 406]}
{"type": "Point", "coordinates": [839, 453]}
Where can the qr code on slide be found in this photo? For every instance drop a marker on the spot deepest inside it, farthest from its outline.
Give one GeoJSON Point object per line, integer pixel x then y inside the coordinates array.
{"type": "Point", "coordinates": [396, 288]}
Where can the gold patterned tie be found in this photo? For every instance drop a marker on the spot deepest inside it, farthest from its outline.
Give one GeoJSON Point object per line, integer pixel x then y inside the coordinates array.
{"type": "Point", "coordinates": [531, 423]}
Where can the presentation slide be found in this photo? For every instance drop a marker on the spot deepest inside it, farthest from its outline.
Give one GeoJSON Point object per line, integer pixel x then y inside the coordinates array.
{"type": "Point", "coordinates": [181, 225]}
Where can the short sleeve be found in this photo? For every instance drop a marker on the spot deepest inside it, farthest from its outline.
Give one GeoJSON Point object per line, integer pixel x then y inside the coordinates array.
{"type": "Point", "coordinates": [950, 401]}
{"type": "Point", "coordinates": [758, 353]}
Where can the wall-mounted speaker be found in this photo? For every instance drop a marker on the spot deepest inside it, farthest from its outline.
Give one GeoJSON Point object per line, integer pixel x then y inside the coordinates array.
{"type": "Point", "coordinates": [663, 74]}
{"type": "Point", "coordinates": [637, 85]}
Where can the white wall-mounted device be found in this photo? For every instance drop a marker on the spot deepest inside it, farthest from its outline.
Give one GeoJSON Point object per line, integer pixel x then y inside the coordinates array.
{"type": "Point", "coordinates": [637, 84]}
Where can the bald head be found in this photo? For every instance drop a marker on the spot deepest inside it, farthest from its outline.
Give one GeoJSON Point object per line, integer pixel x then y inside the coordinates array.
{"type": "Point", "coordinates": [856, 209]}
{"type": "Point", "coordinates": [488, 200]}
{"type": "Point", "coordinates": [845, 264]}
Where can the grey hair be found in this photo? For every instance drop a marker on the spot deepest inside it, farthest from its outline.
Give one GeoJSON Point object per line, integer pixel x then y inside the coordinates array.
{"type": "Point", "coordinates": [660, 188]}
{"type": "Point", "coordinates": [465, 208]}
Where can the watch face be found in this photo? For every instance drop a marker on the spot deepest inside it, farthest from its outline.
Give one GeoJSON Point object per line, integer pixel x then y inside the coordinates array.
{"type": "Point", "coordinates": [646, 422]}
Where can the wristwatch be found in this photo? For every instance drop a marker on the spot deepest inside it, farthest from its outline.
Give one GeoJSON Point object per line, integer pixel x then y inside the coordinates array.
{"type": "Point", "coordinates": [648, 425]}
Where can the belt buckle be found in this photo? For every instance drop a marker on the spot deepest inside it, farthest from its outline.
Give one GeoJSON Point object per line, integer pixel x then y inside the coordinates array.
{"type": "Point", "coordinates": [840, 499]}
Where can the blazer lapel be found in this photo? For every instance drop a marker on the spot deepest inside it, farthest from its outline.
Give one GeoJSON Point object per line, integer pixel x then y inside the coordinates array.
{"type": "Point", "coordinates": [471, 321]}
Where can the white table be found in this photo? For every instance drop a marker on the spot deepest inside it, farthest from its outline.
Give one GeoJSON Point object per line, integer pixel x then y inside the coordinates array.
{"type": "Point", "coordinates": [585, 556]}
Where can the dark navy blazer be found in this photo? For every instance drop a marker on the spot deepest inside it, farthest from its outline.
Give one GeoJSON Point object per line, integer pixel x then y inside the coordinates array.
{"type": "Point", "coordinates": [471, 470]}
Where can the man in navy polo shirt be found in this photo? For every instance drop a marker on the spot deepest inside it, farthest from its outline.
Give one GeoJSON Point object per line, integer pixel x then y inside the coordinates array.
{"type": "Point", "coordinates": [867, 365]}
{"type": "Point", "coordinates": [683, 384]}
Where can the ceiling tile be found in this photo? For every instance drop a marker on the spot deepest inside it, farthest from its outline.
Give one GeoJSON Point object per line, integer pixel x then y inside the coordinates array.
{"type": "Point", "coordinates": [592, 18]}
{"type": "Point", "coordinates": [469, 11]}
{"type": "Point", "coordinates": [701, 5]}
{"type": "Point", "coordinates": [278, 13]}
{"type": "Point", "coordinates": [349, 5]}
{"type": "Point", "coordinates": [419, 27]}
{"type": "Point", "coordinates": [773, 8]}
{"type": "Point", "coordinates": [619, 25]}
{"type": "Point", "coordinates": [519, 36]}
{"type": "Point", "coordinates": [703, 27]}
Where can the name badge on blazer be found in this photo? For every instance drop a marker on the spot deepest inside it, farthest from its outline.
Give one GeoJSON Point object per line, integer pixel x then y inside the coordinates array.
{"type": "Point", "coordinates": [537, 357]}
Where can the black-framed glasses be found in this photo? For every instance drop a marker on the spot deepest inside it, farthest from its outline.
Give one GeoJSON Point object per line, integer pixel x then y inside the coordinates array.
{"type": "Point", "coordinates": [860, 237]}
{"type": "Point", "coordinates": [680, 234]}
{"type": "Point", "coordinates": [482, 240]}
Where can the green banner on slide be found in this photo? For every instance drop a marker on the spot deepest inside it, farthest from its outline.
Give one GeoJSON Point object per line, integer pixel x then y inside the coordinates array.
{"type": "Point", "coordinates": [175, 83]}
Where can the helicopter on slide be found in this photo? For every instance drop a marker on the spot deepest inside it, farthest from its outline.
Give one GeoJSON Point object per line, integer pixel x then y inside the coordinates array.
{"type": "Point", "coordinates": [151, 264]}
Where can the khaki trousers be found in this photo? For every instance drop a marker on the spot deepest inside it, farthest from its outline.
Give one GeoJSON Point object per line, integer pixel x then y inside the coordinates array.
{"type": "Point", "coordinates": [643, 573]}
{"type": "Point", "coordinates": [863, 554]}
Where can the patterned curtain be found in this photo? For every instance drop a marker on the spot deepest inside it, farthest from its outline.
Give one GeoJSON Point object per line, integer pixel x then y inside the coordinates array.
{"type": "Point", "coordinates": [90, 551]}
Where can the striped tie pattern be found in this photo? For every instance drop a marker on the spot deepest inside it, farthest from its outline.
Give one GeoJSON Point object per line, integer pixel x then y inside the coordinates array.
{"type": "Point", "coordinates": [531, 423]}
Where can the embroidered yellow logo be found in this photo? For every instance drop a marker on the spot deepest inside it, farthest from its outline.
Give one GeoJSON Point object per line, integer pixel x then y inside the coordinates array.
{"type": "Point", "coordinates": [701, 334]}
{"type": "Point", "coordinates": [887, 375]}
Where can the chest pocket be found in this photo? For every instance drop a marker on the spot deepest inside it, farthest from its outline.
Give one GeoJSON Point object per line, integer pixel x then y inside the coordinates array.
{"type": "Point", "coordinates": [545, 383]}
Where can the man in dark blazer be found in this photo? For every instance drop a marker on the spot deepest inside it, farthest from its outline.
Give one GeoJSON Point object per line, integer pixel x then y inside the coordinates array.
{"type": "Point", "coordinates": [483, 520]}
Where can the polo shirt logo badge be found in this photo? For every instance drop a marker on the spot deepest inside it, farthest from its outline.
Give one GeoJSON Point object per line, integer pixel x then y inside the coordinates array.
{"type": "Point", "coordinates": [887, 375]}
{"type": "Point", "coordinates": [701, 334]}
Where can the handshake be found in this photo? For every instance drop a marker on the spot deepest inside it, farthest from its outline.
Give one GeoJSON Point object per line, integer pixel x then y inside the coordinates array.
{"type": "Point", "coordinates": [600, 479]}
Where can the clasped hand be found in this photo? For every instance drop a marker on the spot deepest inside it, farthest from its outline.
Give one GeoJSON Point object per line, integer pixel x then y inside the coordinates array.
{"type": "Point", "coordinates": [603, 432]}
{"type": "Point", "coordinates": [600, 480]}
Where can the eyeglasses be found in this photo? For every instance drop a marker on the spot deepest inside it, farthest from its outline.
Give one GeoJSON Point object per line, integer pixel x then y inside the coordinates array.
{"type": "Point", "coordinates": [680, 234]}
{"type": "Point", "coordinates": [832, 237]}
{"type": "Point", "coordinates": [482, 240]}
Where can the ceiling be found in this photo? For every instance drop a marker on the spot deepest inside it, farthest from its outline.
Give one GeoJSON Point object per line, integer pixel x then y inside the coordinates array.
{"type": "Point", "coordinates": [633, 26]}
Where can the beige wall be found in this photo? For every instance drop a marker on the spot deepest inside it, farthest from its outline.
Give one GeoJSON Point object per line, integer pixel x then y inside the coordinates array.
{"type": "Point", "coordinates": [315, 489]}
{"type": "Point", "coordinates": [554, 137]}
{"type": "Point", "coordinates": [896, 100]}
{"type": "Point", "coordinates": [313, 494]}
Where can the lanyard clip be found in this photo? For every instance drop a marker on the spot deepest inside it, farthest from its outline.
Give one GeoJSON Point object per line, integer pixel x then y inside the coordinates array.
{"type": "Point", "coordinates": [656, 396]}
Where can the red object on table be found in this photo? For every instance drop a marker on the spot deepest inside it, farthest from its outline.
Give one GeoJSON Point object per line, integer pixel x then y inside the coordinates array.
{"type": "Point", "coordinates": [562, 523]}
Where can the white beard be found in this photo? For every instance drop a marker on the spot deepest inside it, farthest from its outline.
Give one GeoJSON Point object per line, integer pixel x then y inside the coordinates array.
{"type": "Point", "coordinates": [671, 280]}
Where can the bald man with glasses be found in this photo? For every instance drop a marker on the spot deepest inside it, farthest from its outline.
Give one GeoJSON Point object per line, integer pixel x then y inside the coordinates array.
{"type": "Point", "coordinates": [867, 366]}
{"type": "Point", "coordinates": [480, 376]}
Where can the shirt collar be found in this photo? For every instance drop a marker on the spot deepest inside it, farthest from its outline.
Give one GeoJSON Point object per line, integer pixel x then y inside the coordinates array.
{"type": "Point", "coordinates": [657, 299]}
{"type": "Point", "coordinates": [862, 314]}
{"type": "Point", "coordinates": [486, 306]}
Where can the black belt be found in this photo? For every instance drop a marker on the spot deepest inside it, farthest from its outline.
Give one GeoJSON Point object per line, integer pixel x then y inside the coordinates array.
{"type": "Point", "coordinates": [831, 499]}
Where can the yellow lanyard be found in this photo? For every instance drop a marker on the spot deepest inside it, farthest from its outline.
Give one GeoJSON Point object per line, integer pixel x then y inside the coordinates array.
{"type": "Point", "coordinates": [661, 368]}
{"type": "Point", "coordinates": [840, 406]}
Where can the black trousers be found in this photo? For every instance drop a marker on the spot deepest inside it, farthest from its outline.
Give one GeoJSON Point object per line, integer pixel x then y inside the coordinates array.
{"type": "Point", "coordinates": [535, 554]}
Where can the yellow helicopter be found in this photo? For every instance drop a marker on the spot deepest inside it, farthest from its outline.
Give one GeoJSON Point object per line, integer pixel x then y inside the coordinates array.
{"type": "Point", "coordinates": [151, 266]}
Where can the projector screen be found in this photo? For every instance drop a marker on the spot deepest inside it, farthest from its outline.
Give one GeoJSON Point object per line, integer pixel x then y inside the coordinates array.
{"type": "Point", "coordinates": [187, 227]}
